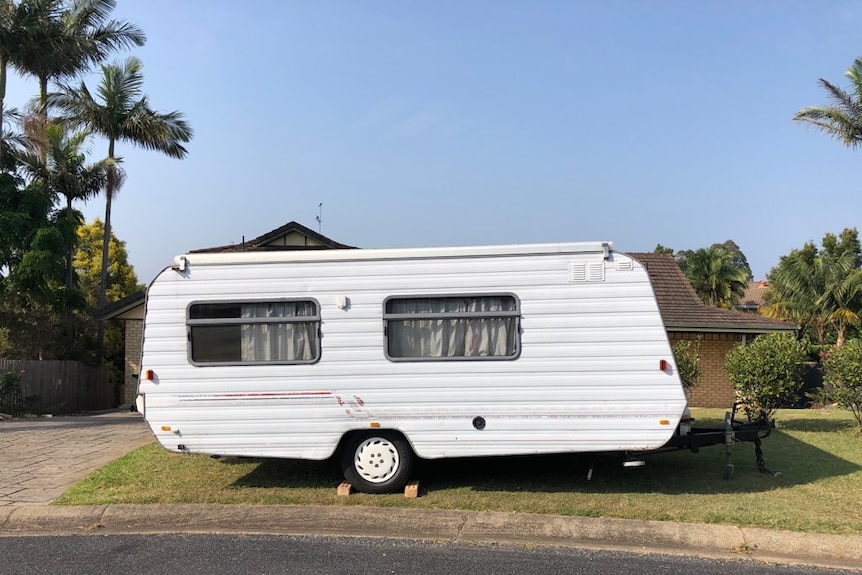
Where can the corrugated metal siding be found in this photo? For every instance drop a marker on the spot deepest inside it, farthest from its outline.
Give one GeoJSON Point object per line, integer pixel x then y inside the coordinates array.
{"type": "Point", "coordinates": [587, 378]}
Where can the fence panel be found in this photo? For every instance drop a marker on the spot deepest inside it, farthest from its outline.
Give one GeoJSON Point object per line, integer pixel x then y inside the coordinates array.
{"type": "Point", "coordinates": [63, 387]}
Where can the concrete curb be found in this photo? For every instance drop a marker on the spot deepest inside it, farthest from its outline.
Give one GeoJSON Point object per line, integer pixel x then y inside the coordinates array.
{"type": "Point", "coordinates": [717, 541]}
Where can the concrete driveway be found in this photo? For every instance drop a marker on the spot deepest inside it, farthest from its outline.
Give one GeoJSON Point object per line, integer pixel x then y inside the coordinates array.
{"type": "Point", "coordinates": [41, 458]}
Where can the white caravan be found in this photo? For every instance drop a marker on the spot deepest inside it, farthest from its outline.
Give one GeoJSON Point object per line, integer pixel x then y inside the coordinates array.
{"type": "Point", "coordinates": [384, 355]}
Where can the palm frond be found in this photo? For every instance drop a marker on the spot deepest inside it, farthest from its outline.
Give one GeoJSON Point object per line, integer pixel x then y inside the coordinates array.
{"type": "Point", "coordinates": [842, 119]}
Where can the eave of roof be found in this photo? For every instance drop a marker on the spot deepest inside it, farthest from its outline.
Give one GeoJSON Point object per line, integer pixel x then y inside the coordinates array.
{"type": "Point", "coordinates": [682, 309]}
{"type": "Point", "coordinates": [120, 307]}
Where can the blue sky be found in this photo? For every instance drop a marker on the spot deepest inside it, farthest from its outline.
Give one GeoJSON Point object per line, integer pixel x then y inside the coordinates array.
{"type": "Point", "coordinates": [480, 122]}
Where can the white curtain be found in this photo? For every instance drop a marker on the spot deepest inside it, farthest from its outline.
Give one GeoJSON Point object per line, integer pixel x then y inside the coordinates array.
{"type": "Point", "coordinates": [455, 337]}
{"type": "Point", "coordinates": [294, 341]}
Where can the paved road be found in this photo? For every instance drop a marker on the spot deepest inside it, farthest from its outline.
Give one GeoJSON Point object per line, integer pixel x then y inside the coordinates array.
{"type": "Point", "coordinates": [207, 554]}
{"type": "Point", "coordinates": [41, 458]}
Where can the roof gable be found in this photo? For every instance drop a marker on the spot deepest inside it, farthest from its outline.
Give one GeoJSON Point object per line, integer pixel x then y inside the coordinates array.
{"type": "Point", "coordinates": [290, 236]}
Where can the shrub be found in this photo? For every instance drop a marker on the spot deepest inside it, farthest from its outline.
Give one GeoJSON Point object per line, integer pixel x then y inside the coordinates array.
{"type": "Point", "coordinates": [11, 400]}
{"type": "Point", "coordinates": [767, 373]}
{"type": "Point", "coordinates": [686, 352]}
{"type": "Point", "coordinates": [842, 374]}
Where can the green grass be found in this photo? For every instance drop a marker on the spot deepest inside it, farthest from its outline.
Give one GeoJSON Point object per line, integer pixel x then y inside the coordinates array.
{"type": "Point", "coordinates": [819, 455]}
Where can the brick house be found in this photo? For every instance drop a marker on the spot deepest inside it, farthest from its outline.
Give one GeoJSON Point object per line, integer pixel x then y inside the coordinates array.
{"type": "Point", "coordinates": [685, 315]}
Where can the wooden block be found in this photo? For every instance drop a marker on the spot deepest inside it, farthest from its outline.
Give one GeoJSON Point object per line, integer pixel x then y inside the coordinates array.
{"type": "Point", "coordinates": [411, 490]}
{"type": "Point", "coordinates": [344, 489]}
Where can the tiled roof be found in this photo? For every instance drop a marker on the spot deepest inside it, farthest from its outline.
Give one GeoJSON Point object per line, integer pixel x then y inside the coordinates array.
{"type": "Point", "coordinates": [752, 298]}
{"type": "Point", "coordinates": [683, 310]}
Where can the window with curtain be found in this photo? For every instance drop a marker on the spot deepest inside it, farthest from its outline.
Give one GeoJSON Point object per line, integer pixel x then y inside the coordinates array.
{"type": "Point", "coordinates": [452, 327]}
{"type": "Point", "coordinates": [254, 332]}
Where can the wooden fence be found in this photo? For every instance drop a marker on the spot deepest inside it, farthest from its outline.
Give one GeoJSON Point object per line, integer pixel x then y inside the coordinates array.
{"type": "Point", "coordinates": [63, 387]}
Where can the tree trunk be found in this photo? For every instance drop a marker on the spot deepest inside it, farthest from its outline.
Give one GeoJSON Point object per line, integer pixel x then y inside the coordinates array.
{"type": "Point", "coordinates": [2, 99]}
{"type": "Point", "coordinates": [69, 248]}
{"type": "Point", "coordinates": [841, 335]}
{"type": "Point", "coordinates": [106, 242]}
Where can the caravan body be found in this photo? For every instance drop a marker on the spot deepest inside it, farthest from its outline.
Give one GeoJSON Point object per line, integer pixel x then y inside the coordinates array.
{"type": "Point", "coordinates": [462, 351]}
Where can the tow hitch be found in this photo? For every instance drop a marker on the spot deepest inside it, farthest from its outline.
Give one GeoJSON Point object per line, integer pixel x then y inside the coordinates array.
{"type": "Point", "coordinates": [732, 432]}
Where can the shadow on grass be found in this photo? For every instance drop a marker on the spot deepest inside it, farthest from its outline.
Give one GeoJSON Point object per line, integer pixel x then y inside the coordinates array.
{"type": "Point", "coordinates": [289, 473]}
{"type": "Point", "coordinates": [678, 472]}
{"type": "Point", "coordinates": [816, 424]}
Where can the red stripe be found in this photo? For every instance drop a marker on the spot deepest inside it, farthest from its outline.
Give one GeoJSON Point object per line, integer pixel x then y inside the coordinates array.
{"type": "Point", "coordinates": [286, 394]}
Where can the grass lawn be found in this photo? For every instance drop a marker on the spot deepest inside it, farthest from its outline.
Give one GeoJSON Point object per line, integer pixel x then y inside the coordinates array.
{"type": "Point", "coordinates": [819, 455]}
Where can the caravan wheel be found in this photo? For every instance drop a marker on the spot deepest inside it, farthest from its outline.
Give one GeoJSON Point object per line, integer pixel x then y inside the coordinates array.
{"type": "Point", "coordinates": [378, 462]}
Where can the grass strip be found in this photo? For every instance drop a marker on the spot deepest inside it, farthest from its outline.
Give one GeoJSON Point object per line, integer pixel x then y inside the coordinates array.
{"type": "Point", "coordinates": [819, 455]}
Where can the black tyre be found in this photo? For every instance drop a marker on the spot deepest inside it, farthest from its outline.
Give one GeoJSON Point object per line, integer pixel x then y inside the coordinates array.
{"type": "Point", "coordinates": [377, 462]}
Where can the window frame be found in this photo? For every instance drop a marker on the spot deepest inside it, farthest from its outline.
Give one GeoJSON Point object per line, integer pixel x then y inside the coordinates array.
{"type": "Point", "coordinates": [240, 321]}
{"type": "Point", "coordinates": [516, 314]}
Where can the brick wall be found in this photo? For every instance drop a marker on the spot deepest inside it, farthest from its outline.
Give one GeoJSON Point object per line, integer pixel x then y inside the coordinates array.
{"type": "Point", "coordinates": [714, 388]}
{"type": "Point", "coordinates": [134, 335]}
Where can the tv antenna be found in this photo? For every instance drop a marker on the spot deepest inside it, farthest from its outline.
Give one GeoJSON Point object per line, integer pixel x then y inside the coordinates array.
{"type": "Point", "coordinates": [319, 217]}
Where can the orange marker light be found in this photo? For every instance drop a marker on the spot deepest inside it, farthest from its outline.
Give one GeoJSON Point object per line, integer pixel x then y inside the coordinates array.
{"type": "Point", "coordinates": [375, 424]}
{"type": "Point", "coordinates": [148, 375]}
{"type": "Point", "coordinates": [663, 422]}
{"type": "Point", "coordinates": [166, 428]}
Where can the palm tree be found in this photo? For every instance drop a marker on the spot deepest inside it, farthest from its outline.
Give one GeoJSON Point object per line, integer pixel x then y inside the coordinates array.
{"type": "Point", "coordinates": [15, 26]}
{"type": "Point", "coordinates": [795, 285]}
{"type": "Point", "coordinates": [121, 113]}
{"type": "Point", "coordinates": [67, 38]}
{"type": "Point", "coordinates": [820, 290]}
{"type": "Point", "coordinates": [716, 278]}
{"type": "Point", "coordinates": [842, 119]}
{"type": "Point", "coordinates": [59, 163]}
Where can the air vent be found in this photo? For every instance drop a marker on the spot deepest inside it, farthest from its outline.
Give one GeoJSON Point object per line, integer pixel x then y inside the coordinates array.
{"type": "Point", "coordinates": [586, 272]}
{"type": "Point", "coordinates": [624, 265]}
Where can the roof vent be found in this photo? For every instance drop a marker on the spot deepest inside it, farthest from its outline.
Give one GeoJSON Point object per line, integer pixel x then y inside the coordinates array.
{"type": "Point", "coordinates": [586, 272]}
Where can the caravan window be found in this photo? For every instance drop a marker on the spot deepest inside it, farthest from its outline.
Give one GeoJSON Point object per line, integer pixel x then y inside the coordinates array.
{"type": "Point", "coordinates": [254, 332]}
{"type": "Point", "coordinates": [452, 327]}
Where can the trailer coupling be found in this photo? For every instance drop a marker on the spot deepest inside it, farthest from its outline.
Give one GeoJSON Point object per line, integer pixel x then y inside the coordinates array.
{"type": "Point", "coordinates": [732, 432]}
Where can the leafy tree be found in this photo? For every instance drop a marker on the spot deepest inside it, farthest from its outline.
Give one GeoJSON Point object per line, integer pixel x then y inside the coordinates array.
{"type": "Point", "coordinates": [63, 171]}
{"type": "Point", "coordinates": [122, 113]}
{"type": "Point", "coordinates": [122, 280]}
{"type": "Point", "coordinates": [715, 273]}
{"type": "Point", "coordinates": [819, 289]}
{"type": "Point", "coordinates": [841, 119]}
{"type": "Point", "coordinates": [738, 258]}
{"type": "Point", "coordinates": [847, 242]}
{"type": "Point", "coordinates": [686, 352]}
{"type": "Point", "coordinates": [40, 316]}
{"type": "Point", "coordinates": [767, 373]}
{"type": "Point", "coordinates": [660, 249]}
{"type": "Point", "coordinates": [842, 373]}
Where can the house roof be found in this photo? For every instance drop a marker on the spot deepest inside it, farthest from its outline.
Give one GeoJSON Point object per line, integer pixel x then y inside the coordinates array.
{"type": "Point", "coordinates": [752, 297]}
{"type": "Point", "coordinates": [683, 310]}
{"type": "Point", "coordinates": [260, 243]}
{"type": "Point", "coordinates": [122, 306]}
{"type": "Point", "coordinates": [268, 241]}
